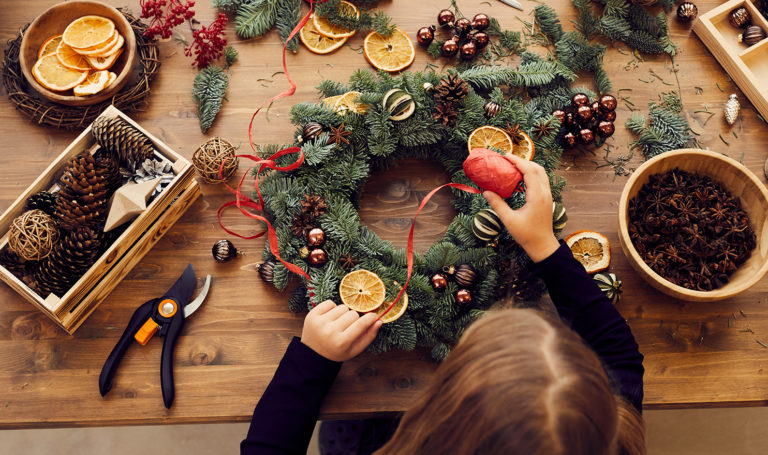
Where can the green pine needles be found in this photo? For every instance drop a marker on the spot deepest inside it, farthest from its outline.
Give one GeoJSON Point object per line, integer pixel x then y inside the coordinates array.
{"type": "Point", "coordinates": [337, 173]}
{"type": "Point", "coordinates": [209, 88]}
{"type": "Point", "coordinates": [665, 128]}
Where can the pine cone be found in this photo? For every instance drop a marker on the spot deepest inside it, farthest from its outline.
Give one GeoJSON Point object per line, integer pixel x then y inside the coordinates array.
{"type": "Point", "coordinates": [445, 113]}
{"type": "Point", "coordinates": [13, 262]}
{"type": "Point", "coordinates": [85, 188]}
{"type": "Point", "coordinates": [44, 201]}
{"type": "Point", "coordinates": [524, 285]}
{"type": "Point", "coordinates": [314, 206]}
{"type": "Point", "coordinates": [71, 257]}
{"type": "Point", "coordinates": [451, 89]}
{"type": "Point", "coordinates": [121, 139]}
{"type": "Point", "coordinates": [302, 224]}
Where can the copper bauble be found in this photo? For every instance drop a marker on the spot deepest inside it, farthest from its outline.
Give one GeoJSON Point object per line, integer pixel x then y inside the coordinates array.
{"type": "Point", "coordinates": [267, 271]}
{"type": "Point", "coordinates": [739, 17]}
{"type": "Point", "coordinates": [586, 136]}
{"type": "Point", "coordinates": [449, 48]}
{"type": "Point", "coordinates": [559, 115]}
{"type": "Point", "coordinates": [584, 113]}
{"type": "Point", "coordinates": [687, 12]}
{"type": "Point", "coordinates": [317, 257]}
{"type": "Point", "coordinates": [463, 25]}
{"type": "Point", "coordinates": [608, 116]}
{"type": "Point", "coordinates": [468, 50]}
{"type": "Point", "coordinates": [752, 35]}
{"type": "Point", "coordinates": [481, 39]}
{"type": "Point", "coordinates": [439, 281]}
{"type": "Point", "coordinates": [463, 296]}
{"type": "Point", "coordinates": [464, 275]}
{"type": "Point", "coordinates": [579, 99]}
{"type": "Point", "coordinates": [608, 103]}
{"type": "Point", "coordinates": [605, 129]}
{"type": "Point", "coordinates": [224, 251]}
{"type": "Point", "coordinates": [315, 237]}
{"type": "Point", "coordinates": [569, 139]}
{"type": "Point", "coordinates": [445, 18]}
{"type": "Point", "coordinates": [481, 21]}
{"type": "Point", "coordinates": [425, 35]}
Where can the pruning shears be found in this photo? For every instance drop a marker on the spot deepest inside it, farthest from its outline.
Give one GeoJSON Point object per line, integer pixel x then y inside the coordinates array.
{"type": "Point", "coordinates": [165, 316]}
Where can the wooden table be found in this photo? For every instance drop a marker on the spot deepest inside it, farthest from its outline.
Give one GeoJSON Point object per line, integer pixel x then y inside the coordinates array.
{"type": "Point", "coordinates": [693, 356]}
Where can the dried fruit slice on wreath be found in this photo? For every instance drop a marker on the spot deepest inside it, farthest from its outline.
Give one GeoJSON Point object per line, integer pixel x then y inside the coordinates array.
{"type": "Point", "coordinates": [362, 291]}
{"type": "Point", "coordinates": [325, 28]}
{"type": "Point", "coordinates": [348, 102]}
{"type": "Point", "coordinates": [317, 43]}
{"type": "Point", "coordinates": [396, 311]}
{"type": "Point", "coordinates": [590, 248]}
{"type": "Point", "coordinates": [389, 53]}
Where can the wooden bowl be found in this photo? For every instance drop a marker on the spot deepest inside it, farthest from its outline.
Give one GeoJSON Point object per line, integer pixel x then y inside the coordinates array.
{"type": "Point", "coordinates": [53, 22]}
{"type": "Point", "coordinates": [735, 178]}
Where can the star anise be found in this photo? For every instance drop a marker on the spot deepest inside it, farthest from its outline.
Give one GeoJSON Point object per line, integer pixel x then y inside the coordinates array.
{"type": "Point", "coordinates": [347, 262]}
{"type": "Point", "coordinates": [339, 136]}
{"type": "Point", "coordinates": [543, 128]}
{"type": "Point", "coordinates": [313, 205]}
{"type": "Point", "coordinates": [512, 130]}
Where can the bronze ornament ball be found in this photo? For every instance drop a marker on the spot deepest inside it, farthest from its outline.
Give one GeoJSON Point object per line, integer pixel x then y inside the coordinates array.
{"type": "Point", "coordinates": [468, 50]}
{"type": "Point", "coordinates": [445, 18]}
{"type": "Point", "coordinates": [449, 48]}
{"type": "Point", "coordinates": [687, 12]}
{"type": "Point", "coordinates": [481, 21]}
{"type": "Point", "coordinates": [608, 103]}
{"type": "Point", "coordinates": [752, 35]}
{"type": "Point", "coordinates": [586, 135]}
{"type": "Point", "coordinates": [605, 129]}
{"type": "Point", "coordinates": [210, 156]}
{"type": "Point", "coordinates": [463, 296]}
{"type": "Point", "coordinates": [608, 116]}
{"type": "Point", "coordinates": [224, 251]}
{"type": "Point", "coordinates": [439, 281]}
{"type": "Point", "coordinates": [739, 17]}
{"type": "Point", "coordinates": [310, 131]}
{"type": "Point", "coordinates": [317, 257]}
{"type": "Point", "coordinates": [584, 113]}
{"type": "Point", "coordinates": [425, 35]}
{"type": "Point", "coordinates": [463, 24]}
{"type": "Point", "coordinates": [465, 275]}
{"type": "Point", "coordinates": [267, 271]}
{"type": "Point", "coordinates": [481, 39]}
{"type": "Point", "coordinates": [579, 99]}
{"type": "Point", "coordinates": [315, 237]}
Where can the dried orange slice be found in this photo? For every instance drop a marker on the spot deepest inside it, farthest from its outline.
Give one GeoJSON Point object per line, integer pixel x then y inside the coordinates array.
{"type": "Point", "coordinates": [104, 63]}
{"type": "Point", "coordinates": [317, 43]}
{"type": "Point", "coordinates": [49, 46]}
{"type": "Point", "coordinates": [391, 54]}
{"type": "Point", "coordinates": [112, 79]}
{"type": "Point", "coordinates": [106, 50]}
{"type": "Point", "coordinates": [88, 31]}
{"type": "Point", "coordinates": [396, 311]}
{"type": "Point", "coordinates": [362, 291]}
{"type": "Point", "coordinates": [94, 83]}
{"type": "Point", "coordinates": [347, 102]}
{"type": "Point", "coordinates": [71, 59]}
{"type": "Point", "coordinates": [117, 47]}
{"type": "Point", "coordinates": [590, 248]}
{"type": "Point", "coordinates": [522, 146]}
{"type": "Point", "coordinates": [325, 28]}
{"type": "Point", "coordinates": [51, 74]}
{"type": "Point", "coordinates": [331, 101]}
{"type": "Point", "coordinates": [490, 137]}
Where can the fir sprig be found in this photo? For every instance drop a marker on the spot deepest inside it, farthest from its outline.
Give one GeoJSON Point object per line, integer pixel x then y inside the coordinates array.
{"type": "Point", "coordinates": [209, 88]}
{"type": "Point", "coordinates": [255, 18]}
{"type": "Point", "coordinates": [663, 130]}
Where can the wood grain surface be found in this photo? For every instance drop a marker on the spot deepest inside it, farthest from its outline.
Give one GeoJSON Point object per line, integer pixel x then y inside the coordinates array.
{"type": "Point", "coordinates": [694, 357]}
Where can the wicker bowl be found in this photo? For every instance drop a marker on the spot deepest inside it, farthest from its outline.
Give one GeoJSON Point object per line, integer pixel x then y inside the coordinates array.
{"type": "Point", "coordinates": [53, 22]}
{"type": "Point", "coordinates": [735, 178]}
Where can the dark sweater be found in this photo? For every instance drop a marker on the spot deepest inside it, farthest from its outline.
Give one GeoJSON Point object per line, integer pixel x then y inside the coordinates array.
{"type": "Point", "coordinates": [285, 416]}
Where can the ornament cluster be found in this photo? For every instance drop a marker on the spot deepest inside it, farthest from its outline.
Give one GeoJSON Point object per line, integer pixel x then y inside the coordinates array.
{"type": "Point", "coordinates": [464, 275]}
{"type": "Point", "coordinates": [468, 37]}
{"type": "Point", "coordinates": [586, 123]}
{"type": "Point", "coordinates": [741, 18]}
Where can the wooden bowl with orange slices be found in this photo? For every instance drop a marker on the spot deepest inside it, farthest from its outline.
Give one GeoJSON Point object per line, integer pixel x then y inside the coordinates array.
{"type": "Point", "coordinates": [78, 53]}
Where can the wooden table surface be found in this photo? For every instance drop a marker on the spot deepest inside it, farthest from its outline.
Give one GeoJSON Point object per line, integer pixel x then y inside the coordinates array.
{"type": "Point", "coordinates": [693, 356]}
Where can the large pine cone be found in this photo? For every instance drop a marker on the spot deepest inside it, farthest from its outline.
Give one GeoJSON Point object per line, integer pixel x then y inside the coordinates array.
{"type": "Point", "coordinates": [121, 139]}
{"type": "Point", "coordinates": [71, 257]}
{"type": "Point", "coordinates": [451, 89]}
{"type": "Point", "coordinates": [85, 188]}
{"type": "Point", "coordinates": [13, 262]}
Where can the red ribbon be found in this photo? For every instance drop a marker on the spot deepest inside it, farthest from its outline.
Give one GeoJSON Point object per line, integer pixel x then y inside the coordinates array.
{"type": "Point", "coordinates": [409, 250]}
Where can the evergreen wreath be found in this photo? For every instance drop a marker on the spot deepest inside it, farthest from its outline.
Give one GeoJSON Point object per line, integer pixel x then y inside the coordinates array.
{"type": "Point", "coordinates": [342, 149]}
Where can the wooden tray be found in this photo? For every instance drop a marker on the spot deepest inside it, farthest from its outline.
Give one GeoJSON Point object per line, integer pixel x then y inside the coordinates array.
{"type": "Point", "coordinates": [71, 309]}
{"type": "Point", "coordinates": [747, 66]}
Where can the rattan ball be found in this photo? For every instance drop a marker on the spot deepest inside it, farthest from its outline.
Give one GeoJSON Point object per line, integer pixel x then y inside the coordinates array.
{"type": "Point", "coordinates": [33, 235]}
{"type": "Point", "coordinates": [208, 157]}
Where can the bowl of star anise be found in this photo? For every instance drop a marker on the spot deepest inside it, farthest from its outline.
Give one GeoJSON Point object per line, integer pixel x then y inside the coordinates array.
{"type": "Point", "coordinates": [694, 225]}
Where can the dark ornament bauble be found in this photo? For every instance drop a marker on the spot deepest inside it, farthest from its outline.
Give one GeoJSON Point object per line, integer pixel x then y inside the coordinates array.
{"type": "Point", "coordinates": [445, 18]}
{"type": "Point", "coordinates": [310, 131]}
{"type": "Point", "coordinates": [608, 116]}
{"type": "Point", "coordinates": [315, 237]}
{"type": "Point", "coordinates": [463, 274]}
{"type": "Point", "coordinates": [586, 136]}
{"type": "Point", "coordinates": [752, 35]}
{"type": "Point", "coordinates": [491, 109]}
{"type": "Point", "coordinates": [486, 225]}
{"type": "Point", "coordinates": [439, 281]}
{"type": "Point", "coordinates": [303, 252]}
{"type": "Point", "coordinates": [481, 21]}
{"type": "Point", "coordinates": [687, 12]}
{"type": "Point", "coordinates": [481, 39]}
{"type": "Point", "coordinates": [449, 48]}
{"type": "Point", "coordinates": [425, 35]}
{"type": "Point", "coordinates": [584, 113]}
{"type": "Point", "coordinates": [463, 297]}
{"type": "Point", "coordinates": [317, 257]}
{"type": "Point", "coordinates": [468, 50]}
{"type": "Point", "coordinates": [267, 271]}
{"type": "Point", "coordinates": [610, 285]}
{"type": "Point", "coordinates": [463, 25]}
{"type": "Point", "coordinates": [559, 115]}
{"type": "Point", "coordinates": [596, 107]}
{"type": "Point", "coordinates": [579, 99]}
{"type": "Point", "coordinates": [605, 129]}
{"type": "Point", "coordinates": [224, 251]}
{"type": "Point", "coordinates": [570, 119]}
{"type": "Point", "coordinates": [608, 103]}
{"type": "Point", "coordinates": [569, 139]}
{"type": "Point", "coordinates": [739, 17]}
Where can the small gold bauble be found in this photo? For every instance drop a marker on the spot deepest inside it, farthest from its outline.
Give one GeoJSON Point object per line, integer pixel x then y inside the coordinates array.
{"type": "Point", "coordinates": [208, 159]}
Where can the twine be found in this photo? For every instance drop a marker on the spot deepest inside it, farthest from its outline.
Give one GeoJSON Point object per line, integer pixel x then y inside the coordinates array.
{"type": "Point", "coordinates": [214, 155]}
{"type": "Point", "coordinates": [33, 235]}
{"type": "Point", "coordinates": [132, 97]}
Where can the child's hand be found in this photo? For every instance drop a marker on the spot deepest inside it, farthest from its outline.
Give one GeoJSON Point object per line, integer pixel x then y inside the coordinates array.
{"type": "Point", "coordinates": [338, 333]}
{"type": "Point", "coordinates": [530, 225]}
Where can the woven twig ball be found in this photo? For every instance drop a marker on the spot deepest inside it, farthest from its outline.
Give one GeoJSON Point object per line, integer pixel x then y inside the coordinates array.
{"type": "Point", "coordinates": [208, 157]}
{"type": "Point", "coordinates": [33, 235]}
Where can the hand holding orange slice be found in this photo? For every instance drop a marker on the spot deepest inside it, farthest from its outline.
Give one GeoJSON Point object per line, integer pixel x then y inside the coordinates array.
{"type": "Point", "coordinates": [396, 311]}
{"type": "Point", "coordinates": [362, 291]}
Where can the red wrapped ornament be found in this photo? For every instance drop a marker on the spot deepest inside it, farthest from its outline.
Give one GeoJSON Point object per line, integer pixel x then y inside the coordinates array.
{"type": "Point", "coordinates": [491, 171]}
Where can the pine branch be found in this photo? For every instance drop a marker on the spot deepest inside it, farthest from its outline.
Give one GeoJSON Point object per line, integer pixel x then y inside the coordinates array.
{"type": "Point", "coordinates": [228, 5]}
{"type": "Point", "coordinates": [288, 16]}
{"type": "Point", "coordinates": [548, 22]}
{"type": "Point", "coordinates": [209, 88]}
{"type": "Point", "coordinates": [230, 56]}
{"type": "Point", "coordinates": [256, 18]}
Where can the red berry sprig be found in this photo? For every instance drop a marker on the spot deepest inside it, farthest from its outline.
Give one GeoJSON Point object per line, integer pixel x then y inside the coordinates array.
{"type": "Point", "coordinates": [164, 15]}
{"type": "Point", "coordinates": [208, 42]}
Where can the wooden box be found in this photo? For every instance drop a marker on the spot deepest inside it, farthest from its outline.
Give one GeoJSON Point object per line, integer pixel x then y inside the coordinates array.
{"type": "Point", "coordinates": [747, 65]}
{"type": "Point", "coordinates": [72, 308]}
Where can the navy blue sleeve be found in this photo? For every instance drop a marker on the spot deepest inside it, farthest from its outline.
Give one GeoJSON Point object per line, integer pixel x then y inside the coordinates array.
{"type": "Point", "coordinates": [590, 313]}
{"type": "Point", "coordinates": [285, 416]}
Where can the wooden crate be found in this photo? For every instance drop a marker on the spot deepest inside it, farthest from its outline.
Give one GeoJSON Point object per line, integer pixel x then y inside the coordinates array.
{"type": "Point", "coordinates": [747, 66]}
{"type": "Point", "coordinates": [71, 309]}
